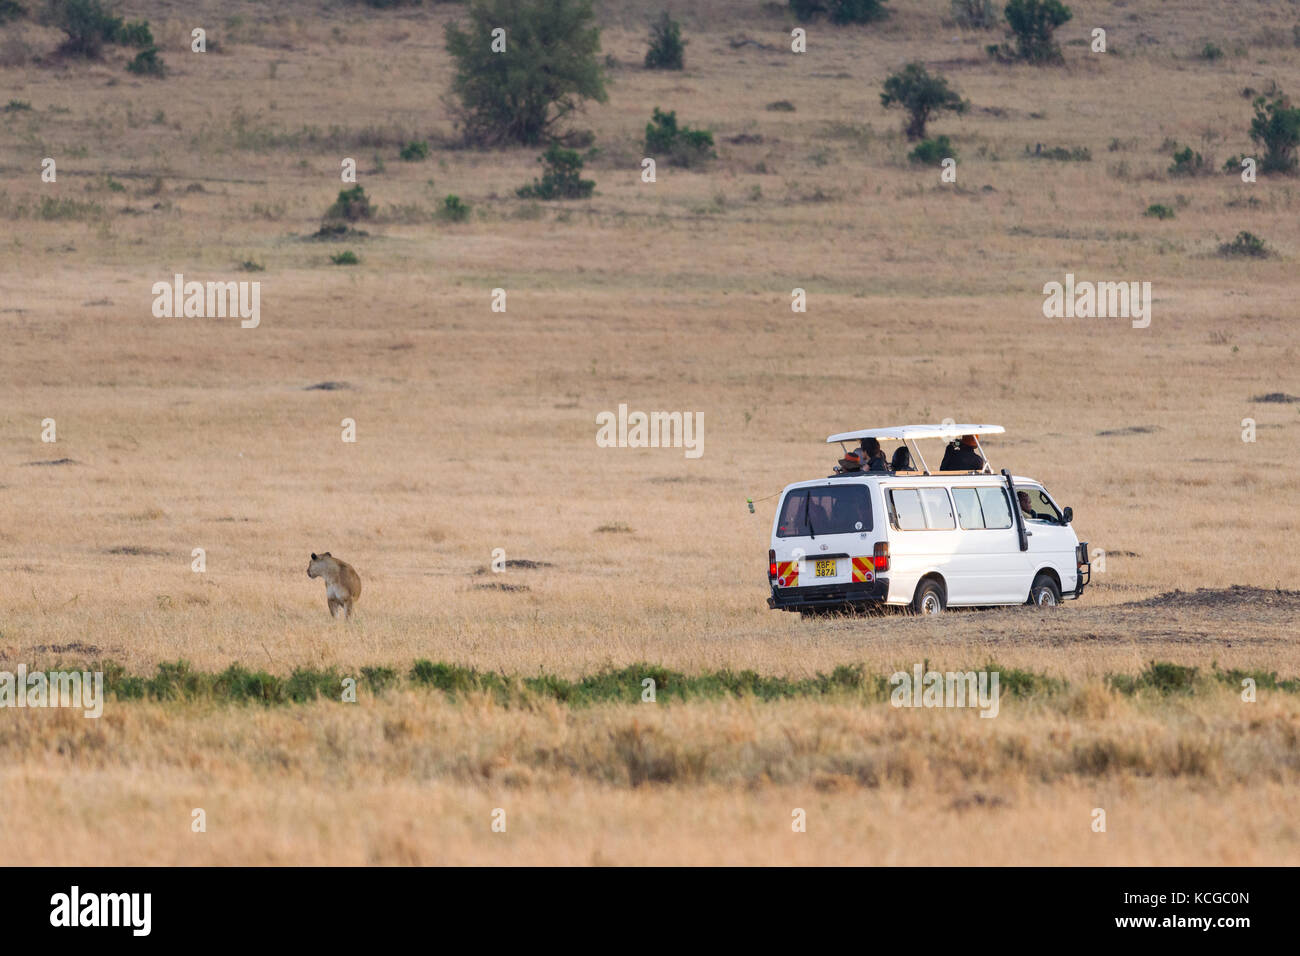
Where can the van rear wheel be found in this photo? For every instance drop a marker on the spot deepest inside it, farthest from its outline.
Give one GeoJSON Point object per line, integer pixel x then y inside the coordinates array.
{"type": "Point", "coordinates": [929, 599]}
{"type": "Point", "coordinates": [1044, 592]}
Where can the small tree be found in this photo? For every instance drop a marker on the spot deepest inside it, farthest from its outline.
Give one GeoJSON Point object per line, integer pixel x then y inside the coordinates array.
{"type": "Point", "coordinates": [1276, 127]}
{"type": "Point", "coordinates": [11, 10]}
{"type": "Point", "coordinates": [353, 204]}
{"type": "Point", "coordinates": [839, 11]}
{"type": "Point", "coordinates": [547, 68]}
{"type": "Point", "coordinates": [976, 14]}
{"type": "Point", "coordinates": [88, 24]}
{"type": "Point", "coordinates": [682, 145]}
{"type": "Point", "coordinates": [666, 44]}
{"type": "Point", "coordinates": [562, 177]}
{"type": "Point", "coordinates": [922, 95]}
{"type": "Point", "coordinates": [1033, 23]}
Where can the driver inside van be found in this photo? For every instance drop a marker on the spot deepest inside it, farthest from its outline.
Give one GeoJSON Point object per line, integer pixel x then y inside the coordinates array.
{"type": "Point", "coordinates": [1027, 509]}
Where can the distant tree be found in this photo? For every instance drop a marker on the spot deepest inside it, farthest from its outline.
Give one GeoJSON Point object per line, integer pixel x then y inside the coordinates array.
{"type": "Point", "coordinates": [922, 94]}
{"type": "Point", "coordinates": [1033, 23]}
{"type": "Point", "coordinates": [88, 25]}
{"type": "Point", "coordinates": [1276, 127]}
{"type": "Point", "coordinates": [11, 10]}
{"type": "Point", "coordinates": [680, 145]}
{"type": "Point", "coordinates": [839, 11]}
{"type": "Point", "coordinates": [976, 14]}
{"type": "Point", "coordinates": [562, 177]}
{"type": "Point", "coordinates": [667, 47]}
{"type": "Point", "coordinates": [547, 68]}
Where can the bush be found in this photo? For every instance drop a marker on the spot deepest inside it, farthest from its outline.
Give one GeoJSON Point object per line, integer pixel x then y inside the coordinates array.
{"type": "Point", "coordinates": [414, 152]}
{"type": "Point", "coordinates": [975, 14]}
{"type": "Point", "coordinates": [1188, 163]}
{"type": "Point", "coordinates": [1157, 211]}
{"type": "Point", "coordinates": [839, 11]}
{"type": "Point", "coordinates": [1032, 24]}
{"type": "Point", "coordinates": [11, 10]}
{"type": "Point", "coordinates": [453, 210]}
{"type": "Point", "coordinates": [134, 34]}
{"type": "Point", "coordinates": [562, 178]}
{"type": "Point", "coordinates": [1211, 52]}
{"type": "Point", "coordinates": [1245, 245]}
{"type": "Point", "coordinates": [666, 44]}
{"type": "Point", "coordinates": [680, 146]}
{"type": "Point", "coordinates": [1276, 127]}
{"type": "Point", "coordinates": [932, 152]}
{"type": "Point", "coordinates": [922, 95]}
{"type": "Point", "coordinates": [147, 63]}
{"type": "Point", "coordinates": [1073, 154]}
{"type": "Point", "coordinates": [88, 25]}
{"type": "Point", "coordinates": [345, 258]}
{"type": "Point", "coordinates": [352, 205]}
{"type": "Point", "coordinates": [549, 68]}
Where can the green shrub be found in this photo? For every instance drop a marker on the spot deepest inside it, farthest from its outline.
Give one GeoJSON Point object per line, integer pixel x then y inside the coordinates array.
{"type": "Point", "coordinates": [453, 210]}
{"type": "Point", "coordinates": [88, 25]}
{"type": "Point", "coordinates": [1158, 211]}
{"type": "Point", "coordinates": [1032, 24]}
{"type": "Point", "coordinates": [353, 205]}
{"type": "Point", "coordinates": [667, 47]}
{"type": "Point", "coordinates": [147, 63]}
{"type": "Point", "coordinates": [921, 95]}
{"type": "Point", "coordinates": [345, 258]}
{"type": "Point", "coordinates": [549, 68]}
{"type": "Point", "coordinates": [1073, 154]}
{"type": "Point", "coordinates": [414, 152]}
{"type": "Point", "coordinates": [11, 10]}
{"type": "Point", "coordinates": [839, 11]}
{"type": "Point", "coordinates": [15, 106]}
{"type": "Point", "coordinates": [932, 152]}
{"type": "Point", "coordinates": [135, 34]}
{"type": "Point", "coordinates": [680, 146]}
{"type": "Point", "coordinates": [1188, 163]}
{"type": "Point", "coordinates": [561, 178]}
{"type": "Point", "coordinates": [1276, 127]}
{"type": "Point", "coordinates": [1245, 245]}
{"type": "Point", "coordinates": [781, 106]}
{"type": "Point", "coordinates": [975, 14]}
{"type": "Point", "coordinates": [1211, 51]}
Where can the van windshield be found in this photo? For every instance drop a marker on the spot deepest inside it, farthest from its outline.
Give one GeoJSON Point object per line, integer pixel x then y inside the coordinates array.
{"type": "Point", "coordinates": [838, 509]}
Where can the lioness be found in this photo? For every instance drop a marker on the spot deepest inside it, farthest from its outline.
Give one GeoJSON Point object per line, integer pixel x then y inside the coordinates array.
{"type": "Point", "coordinates": [342, 585]}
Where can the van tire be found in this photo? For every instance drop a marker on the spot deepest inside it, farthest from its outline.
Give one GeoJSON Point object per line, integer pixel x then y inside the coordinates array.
{"type": "Point", "coordinates": [1044, 592]}
{"type": "Point", "coordinates": [929, 600]}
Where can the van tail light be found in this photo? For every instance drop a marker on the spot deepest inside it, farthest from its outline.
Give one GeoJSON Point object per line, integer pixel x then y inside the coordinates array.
{"type": "Point", "coordinates": [771, 562]}
{"type": "Point", "coordinates": [880, 556]}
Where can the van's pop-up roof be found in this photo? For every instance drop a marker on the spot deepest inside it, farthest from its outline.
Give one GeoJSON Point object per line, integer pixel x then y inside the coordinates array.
{"type": "Point", "coordinates": [909, 434]}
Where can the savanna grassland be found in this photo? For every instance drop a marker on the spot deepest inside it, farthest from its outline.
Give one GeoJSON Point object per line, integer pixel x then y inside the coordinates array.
{"type": "Point", "coordinates": [476, 430]}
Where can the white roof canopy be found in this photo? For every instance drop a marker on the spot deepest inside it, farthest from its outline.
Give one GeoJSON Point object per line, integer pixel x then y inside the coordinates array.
{"type": "Point", "coordinates": [913, 432]}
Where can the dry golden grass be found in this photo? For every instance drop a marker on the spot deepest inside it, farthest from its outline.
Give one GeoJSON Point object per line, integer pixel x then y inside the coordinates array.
{"type": "Point", "coordinates": [476, 431]}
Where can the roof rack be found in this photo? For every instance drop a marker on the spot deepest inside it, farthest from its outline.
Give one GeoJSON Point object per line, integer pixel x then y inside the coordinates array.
{"type": "Point", "coordinates": [909, 434]}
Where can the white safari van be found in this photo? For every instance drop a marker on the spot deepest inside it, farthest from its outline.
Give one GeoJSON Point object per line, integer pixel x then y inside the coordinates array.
{"type": "Point", "coordinates": [921, 538]}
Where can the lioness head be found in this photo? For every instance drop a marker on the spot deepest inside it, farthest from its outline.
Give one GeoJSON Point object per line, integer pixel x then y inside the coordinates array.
{"type": "Point", "coordinates": [316, 567]}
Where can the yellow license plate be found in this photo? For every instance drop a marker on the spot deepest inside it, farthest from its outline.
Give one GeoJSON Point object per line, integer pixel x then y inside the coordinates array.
{"type": "Point", "coordinates": [826, 568]}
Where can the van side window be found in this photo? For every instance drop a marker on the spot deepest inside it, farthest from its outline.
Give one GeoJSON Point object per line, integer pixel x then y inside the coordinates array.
{"type": "Point", "coordinates": [997, 513]}
{"type": "Point", "coordinates": [920, 509]}
{"type": "Point", "coordinates": [905, 509]}
{"type": "Point", "coordinates": [938, 510]}
{"type": "Point", "coordinates": [969, 511]}
{"type": "Point", "coordinates": [982, 508]}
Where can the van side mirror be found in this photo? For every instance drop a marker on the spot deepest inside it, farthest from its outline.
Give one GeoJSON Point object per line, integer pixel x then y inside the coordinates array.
{"type": "Point", "coordinates": [1068, 515]}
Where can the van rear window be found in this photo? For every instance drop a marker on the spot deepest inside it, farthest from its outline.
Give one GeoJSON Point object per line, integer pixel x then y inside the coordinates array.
{"type": "Point", "coordinates": [838, 509]}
